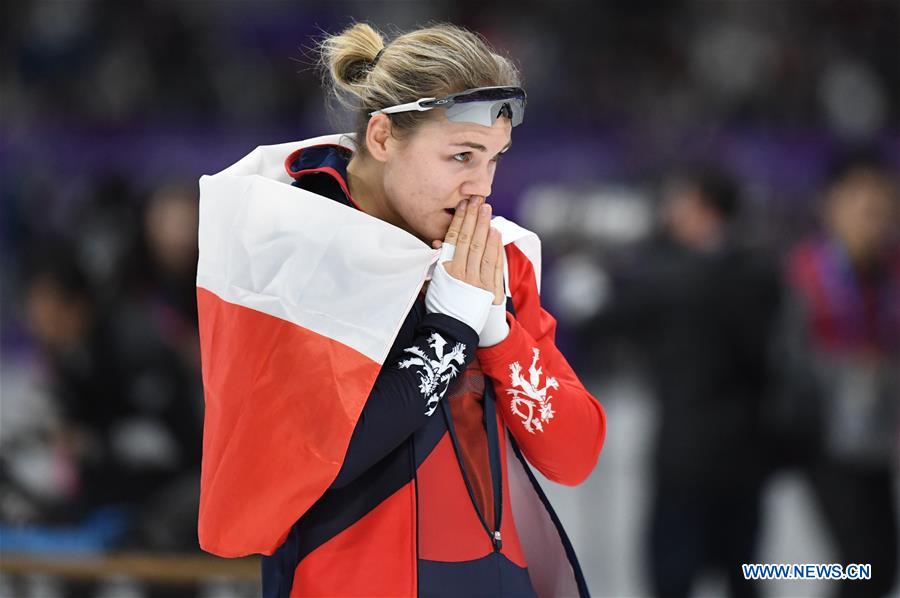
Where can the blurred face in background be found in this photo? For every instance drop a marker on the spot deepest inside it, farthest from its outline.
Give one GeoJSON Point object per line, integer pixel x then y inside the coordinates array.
{"type": "Point", "coordinates": [56, 318]}
{"type": "Point", "coordinates": [861, 213]}
{"type": "Point", "coordinates": [688, 219]}
{"type": "Point", "coordinates": [171, 229]}
{"type": "Point", "coordinates": [426, 173]}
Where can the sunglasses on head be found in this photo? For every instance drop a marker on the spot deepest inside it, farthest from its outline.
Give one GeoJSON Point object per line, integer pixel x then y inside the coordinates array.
{"type": "Point", "coordinates": [480, 105]}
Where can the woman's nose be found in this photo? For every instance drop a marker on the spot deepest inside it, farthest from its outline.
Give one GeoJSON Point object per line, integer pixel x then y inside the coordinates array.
{"type": "Point", "coordinates": [479, 185]}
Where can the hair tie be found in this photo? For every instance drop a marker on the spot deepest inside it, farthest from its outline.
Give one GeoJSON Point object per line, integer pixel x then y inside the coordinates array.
{"type": "Point", "coordinates": [377, 56]}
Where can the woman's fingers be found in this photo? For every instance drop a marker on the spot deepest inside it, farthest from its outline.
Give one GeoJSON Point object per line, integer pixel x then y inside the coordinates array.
{"type": "Point", "coordinates": [499, 289]}
{"type": "Point", "coordinates": [456, 224]}
{"type": "Point", "coordinates": [475, 264]}
{"type": "Point", "coordinates": [489, 260]}
{"type": "Point", "coordinates": [477, 248]}
{"type": "Point", "coordinates": [466, 232]}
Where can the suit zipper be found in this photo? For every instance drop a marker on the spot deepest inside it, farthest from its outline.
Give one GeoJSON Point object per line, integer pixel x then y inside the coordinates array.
{"type": "Point", "coordinates": [496, 467]}
{"type": "Point", "coordinates": [493, 534]}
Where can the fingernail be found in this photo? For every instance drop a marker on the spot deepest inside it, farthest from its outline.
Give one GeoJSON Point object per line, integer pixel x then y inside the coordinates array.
{"type": "Point", "coordinates": [462, 205]}
{"type": "Point", "coordinates": [486, 208]}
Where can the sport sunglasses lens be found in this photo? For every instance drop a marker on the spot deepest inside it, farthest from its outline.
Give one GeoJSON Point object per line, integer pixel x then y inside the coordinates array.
{"type": "Point", "coordinates": [479, 113]}
{"type": "Point", "coordinates": [483, 113]}
{"type": "Point", "coordinates": [494, 100]}
{"type": "Point", "coordinates": [486, 113]}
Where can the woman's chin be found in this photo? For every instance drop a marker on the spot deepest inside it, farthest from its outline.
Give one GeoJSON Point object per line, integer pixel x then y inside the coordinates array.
{"type": "Point", "coordinates": [432, 229]}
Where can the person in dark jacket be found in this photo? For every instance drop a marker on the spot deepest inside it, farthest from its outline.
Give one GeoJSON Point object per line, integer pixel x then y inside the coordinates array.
{"type": "Point", "coordinates": [700, 307]}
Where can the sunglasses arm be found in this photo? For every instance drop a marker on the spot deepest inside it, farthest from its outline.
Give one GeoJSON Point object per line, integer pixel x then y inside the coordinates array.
{"type": "Point", "coordinates": [410, 107]}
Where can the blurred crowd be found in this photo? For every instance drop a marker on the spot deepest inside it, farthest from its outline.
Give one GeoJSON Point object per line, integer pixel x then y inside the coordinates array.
{"type": "Point", "coordinates": [102, 420]}
{"type": "Point", "coordinates": [763, 363]}
{"type": "Point", "coordinates": [673, 64]}
{"type": "Point", "coordinates": [720, 207]}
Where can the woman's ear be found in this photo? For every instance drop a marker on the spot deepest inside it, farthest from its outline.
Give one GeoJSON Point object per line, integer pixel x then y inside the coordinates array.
{"type": "Point", "coordinates": [378, 132]}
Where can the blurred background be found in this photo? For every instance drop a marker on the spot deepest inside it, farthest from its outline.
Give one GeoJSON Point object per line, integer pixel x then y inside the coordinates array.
{"type": "Point", "coordinates": [715, 184]}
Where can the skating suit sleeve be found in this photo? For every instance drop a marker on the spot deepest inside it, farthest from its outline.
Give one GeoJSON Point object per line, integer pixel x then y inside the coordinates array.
{"type": "Point", "coordinates": [397, 406]}
{"type": "Point", "coordinates": [557, 423]}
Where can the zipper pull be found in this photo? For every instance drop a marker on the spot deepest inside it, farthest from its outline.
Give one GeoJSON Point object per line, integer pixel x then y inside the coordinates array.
{"type": "Point", "coordinates": [498, 543]}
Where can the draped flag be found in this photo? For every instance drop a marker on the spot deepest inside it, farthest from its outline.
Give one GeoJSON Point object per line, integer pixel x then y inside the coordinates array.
{"type": "Point", "coordinates": [300, 299]}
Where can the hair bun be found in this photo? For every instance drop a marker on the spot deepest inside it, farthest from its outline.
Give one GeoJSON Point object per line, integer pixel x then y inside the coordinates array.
{"type": "Point", "coordinates": [350, 55]}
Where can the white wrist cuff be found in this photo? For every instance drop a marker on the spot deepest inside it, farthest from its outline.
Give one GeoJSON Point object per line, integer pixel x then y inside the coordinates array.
{"type": "Point", "coordinates": [448, 250]}
{"type": "Point", "coordinates": [496, 329]}
{"type": "Point", "coordinates": [461, 300]}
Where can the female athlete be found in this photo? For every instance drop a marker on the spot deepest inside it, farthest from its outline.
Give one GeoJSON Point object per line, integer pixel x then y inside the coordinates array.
{"type": "Point", "coordinates": [430, 494]}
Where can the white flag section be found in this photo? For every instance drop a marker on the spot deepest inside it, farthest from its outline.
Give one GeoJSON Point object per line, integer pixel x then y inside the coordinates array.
{"type": "Point", "coordinates": [305, 258]}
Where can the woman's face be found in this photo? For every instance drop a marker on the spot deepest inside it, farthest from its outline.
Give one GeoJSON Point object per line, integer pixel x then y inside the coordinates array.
{"type": "Point", "coordinates": [429, 171]}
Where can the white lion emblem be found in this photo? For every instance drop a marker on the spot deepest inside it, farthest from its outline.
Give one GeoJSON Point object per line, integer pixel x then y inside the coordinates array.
{"type": "Point", "coordinates": [435, 374]}
{"type": "Point", "coordinates": [530, 397]}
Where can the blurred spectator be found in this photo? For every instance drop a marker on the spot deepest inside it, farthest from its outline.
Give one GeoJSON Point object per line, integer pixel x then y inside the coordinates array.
{"type": "Point", "coordinates": [165, 278]}
{"type": "Point", "coordinates": [170, 227]}
{"type": "Point", "coordinates": [840, 348]}
{"type": "Point", "coordinates": [127, 415]}
{"type": "Point", "coordinates": [37, 463]}
{"type": "Point", "coordinates": [103, 232]}
{"type": "Point", "coordinates": [702, 307]}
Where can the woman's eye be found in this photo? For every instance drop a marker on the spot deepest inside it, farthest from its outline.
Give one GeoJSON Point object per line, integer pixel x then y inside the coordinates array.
{"type": "Point", "coordinates": [462, 157]}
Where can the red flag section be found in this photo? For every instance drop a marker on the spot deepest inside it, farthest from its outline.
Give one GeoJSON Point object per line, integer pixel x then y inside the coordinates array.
{"type": "Point", "coordinates": [281, 404]}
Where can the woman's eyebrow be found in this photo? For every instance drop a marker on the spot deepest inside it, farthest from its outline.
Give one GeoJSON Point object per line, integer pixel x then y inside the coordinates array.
{"type": "Point", "coordinates": [480, 147]}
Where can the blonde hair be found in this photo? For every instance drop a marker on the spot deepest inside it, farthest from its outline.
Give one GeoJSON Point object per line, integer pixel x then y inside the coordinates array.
{"type": "Point", "coordinates": [365, 74]}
